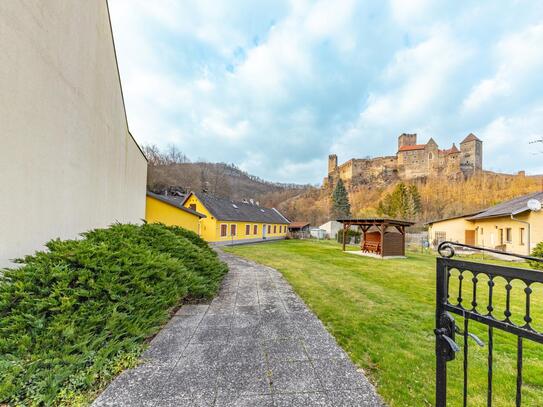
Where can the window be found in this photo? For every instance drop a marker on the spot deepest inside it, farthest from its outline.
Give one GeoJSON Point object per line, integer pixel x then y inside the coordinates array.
{"type": "Point", "coordinates": [192, 206]}
{"type": "Point", "coordinates": [255, 229]}
{"type": "Point", "coordinates": [508, 235]}
{"type": "Point", "coordinates": [269, 228]}
{"type": "Point", "coordinates": [482, 231]}
{"type": "Point", "coordinates": [247, 229]}
{"type": "Point", "coordinates": [274, 228]}
{"type": "Point", "coordinates": [440, 237]}
{"type": "Point", "coordinates": [224, 230]}
{"type": "Point", "coordinates": [522, 230]}
{"type": "Point", "coordinates": [233, 230]}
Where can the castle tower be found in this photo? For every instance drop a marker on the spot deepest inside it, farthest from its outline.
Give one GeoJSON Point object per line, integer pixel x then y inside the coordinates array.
{"type": "Point", "coordinates": [407, 140]}
{"type": "Point", "coordinates": [332, 163]}
{"type": "Point", "coordinates": [432, 157]}
{"type": "Point", "coordinates": [471, 154]}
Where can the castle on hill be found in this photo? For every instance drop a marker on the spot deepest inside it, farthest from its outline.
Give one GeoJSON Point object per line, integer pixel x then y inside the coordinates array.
{"type": "Point", "coordinates": [412, 161]}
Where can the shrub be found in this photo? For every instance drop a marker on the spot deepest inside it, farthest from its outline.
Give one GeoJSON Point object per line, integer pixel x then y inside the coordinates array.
{"type": "Point", "coordinates": [537, 252]}
{"type": "Point", "coordinates": [190, 235]}
{"type": "Point", "coordinates": [72, 317]}
{"type": "Point", "coordinates": [349, 235]}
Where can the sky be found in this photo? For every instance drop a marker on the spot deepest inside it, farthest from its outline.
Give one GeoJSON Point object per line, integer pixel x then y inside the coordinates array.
{"type": "Point", "coordinates": [275, 86]}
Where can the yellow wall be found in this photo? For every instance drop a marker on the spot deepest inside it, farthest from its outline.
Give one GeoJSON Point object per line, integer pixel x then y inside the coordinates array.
{"type": "Point", "coordinates": [210, 228]}
{"type": "Point", "coordinates": [159, 212]}
{"type": "Point", "coordinates": [455, 229]}
{"type": "Point", "coordinates": [487, 231]}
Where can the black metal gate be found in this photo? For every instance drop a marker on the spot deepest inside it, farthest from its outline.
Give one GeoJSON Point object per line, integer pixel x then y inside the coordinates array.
{"type": "Point", "coordinates": [482, 278]}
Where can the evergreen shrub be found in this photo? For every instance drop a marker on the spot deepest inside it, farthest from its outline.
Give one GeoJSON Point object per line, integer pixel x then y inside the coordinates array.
{"type": "Point", "coordinates": [74, 316]}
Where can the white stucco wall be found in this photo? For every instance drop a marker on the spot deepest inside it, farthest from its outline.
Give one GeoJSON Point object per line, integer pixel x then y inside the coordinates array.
{"type": "Point", "coordinates": [67, 160]}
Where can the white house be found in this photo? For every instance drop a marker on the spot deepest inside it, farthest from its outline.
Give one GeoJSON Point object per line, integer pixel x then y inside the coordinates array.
{"type": "Point", "coordinates": [331, 228]}
{"type": "Point", "coordinates": [68, 162]}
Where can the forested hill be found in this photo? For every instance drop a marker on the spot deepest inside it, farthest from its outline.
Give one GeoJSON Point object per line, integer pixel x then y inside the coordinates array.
{"type": "Point", "coordinates": [436, 198]}
{"type": "Point", "coordinates": [172, 171]}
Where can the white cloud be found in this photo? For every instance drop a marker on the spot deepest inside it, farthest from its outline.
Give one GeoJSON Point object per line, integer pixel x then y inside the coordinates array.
{"type": "Point", "coordinates": [222, 126]}
{"type": "Point", "coordinates": [519, 60]}
{"type": "Point", "coordinates": [277, 86]}
{"type": "Point", "coordinates": [519, 130]}
{"type": "Point", "coordinates": [409, 12]}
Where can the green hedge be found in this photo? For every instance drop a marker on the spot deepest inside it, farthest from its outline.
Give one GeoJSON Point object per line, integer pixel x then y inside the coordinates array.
{"type": "Point", "coordinates": [73, 317]}
{"type": "Point", "coordinates": [537, 252]}
{"type": "Point", "coordinates": [349, 235]}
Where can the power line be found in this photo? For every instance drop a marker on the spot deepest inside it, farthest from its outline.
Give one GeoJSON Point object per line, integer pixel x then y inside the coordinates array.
{"type": "Point", "coordinates": [537, 141]}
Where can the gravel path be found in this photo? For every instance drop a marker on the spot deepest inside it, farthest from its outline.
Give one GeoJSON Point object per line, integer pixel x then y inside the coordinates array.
{"type": "Point", "coordinates": [256, 344]}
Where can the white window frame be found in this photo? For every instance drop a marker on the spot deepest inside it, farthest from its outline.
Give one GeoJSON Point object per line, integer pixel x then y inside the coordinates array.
{"type": "Point", "coordinates": [220, 230]}
{"type": "Point", "coordinates": [235, 229]}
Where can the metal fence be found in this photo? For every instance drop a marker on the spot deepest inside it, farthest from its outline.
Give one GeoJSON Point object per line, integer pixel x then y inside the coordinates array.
{"type": "Point", "coordinates": [417, 242]}
{"type": "Point", "coordinates": [468, 290]}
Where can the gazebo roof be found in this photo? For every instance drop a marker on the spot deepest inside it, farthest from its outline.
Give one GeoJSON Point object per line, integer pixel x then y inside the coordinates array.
{"type": "Point", "coordinates": [375, 221]}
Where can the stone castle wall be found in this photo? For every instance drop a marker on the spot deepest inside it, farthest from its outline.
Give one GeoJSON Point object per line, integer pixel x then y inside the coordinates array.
{"type": "Point", "coordinates": [412, 161]}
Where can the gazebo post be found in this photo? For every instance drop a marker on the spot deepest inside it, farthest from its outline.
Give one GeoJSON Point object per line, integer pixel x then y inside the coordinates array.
{"type": "Point", "coordinates": [403, 241]}
{"type": "Point", "coordinates": [344, 230]}
{"type": "Point", "coordinates": [383, 227]}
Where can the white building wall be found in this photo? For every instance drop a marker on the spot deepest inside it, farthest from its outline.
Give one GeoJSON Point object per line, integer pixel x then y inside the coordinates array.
{"type": "Point", "coordinates": [67, 160]}
{"type": "Point", "coordinates": [331, 228]}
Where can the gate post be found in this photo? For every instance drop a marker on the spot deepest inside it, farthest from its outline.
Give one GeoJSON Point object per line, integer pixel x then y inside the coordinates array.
{"type": "Point", "coordinates": [442, 347]}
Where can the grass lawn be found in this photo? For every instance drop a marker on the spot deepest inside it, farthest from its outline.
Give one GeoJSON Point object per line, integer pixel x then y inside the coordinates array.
{"type": "Point", "coordinates": [382, 313]}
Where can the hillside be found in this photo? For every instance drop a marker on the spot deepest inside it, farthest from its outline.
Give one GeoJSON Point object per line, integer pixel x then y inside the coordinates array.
{"type": "Point", "coordinates": [440, 197]}
{"type": "Point", "coordinates": [219, 179]}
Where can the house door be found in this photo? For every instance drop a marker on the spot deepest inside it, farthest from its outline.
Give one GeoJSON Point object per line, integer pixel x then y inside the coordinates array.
{"type": "Point", "coordinates": [470, 237]}
{"type": "Point", "coordinates": [500, 237]}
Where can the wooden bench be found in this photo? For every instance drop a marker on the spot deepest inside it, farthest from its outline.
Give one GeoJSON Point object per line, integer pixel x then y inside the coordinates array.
{"type": "Point", "coordinates": [372, 243]}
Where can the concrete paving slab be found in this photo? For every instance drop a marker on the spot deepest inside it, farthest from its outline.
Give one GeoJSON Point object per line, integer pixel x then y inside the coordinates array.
{"type": "Point", "coordinates": [319, 399]}
{"type": "Point", "coordinates": [256, 344]}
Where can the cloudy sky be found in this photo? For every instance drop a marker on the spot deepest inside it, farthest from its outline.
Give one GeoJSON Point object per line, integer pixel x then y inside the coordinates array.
{"type": "Point", "coordinates": [275, 86]}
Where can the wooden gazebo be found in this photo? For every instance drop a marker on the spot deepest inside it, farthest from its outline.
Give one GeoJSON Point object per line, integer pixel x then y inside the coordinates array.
{"type": "Point", "coordinates": [380, 236]}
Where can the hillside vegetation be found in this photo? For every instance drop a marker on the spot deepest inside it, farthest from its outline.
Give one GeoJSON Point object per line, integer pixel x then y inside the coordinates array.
{"type": "Point", "coordinates": [170, 170]}
{"type": "Point", "coordinates": [439, 198]}
{"type": "Point", "coordinates": [73, 317]}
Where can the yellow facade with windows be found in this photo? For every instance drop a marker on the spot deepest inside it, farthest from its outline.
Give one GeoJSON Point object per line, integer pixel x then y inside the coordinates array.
{"type": "Point", "coordinates": [157, 210]}
{"type": "Point", "coordinates": [510, 226]}
{"type": "Point", "coordinates": [213, 229]}
{"type": "Point", "coordinates": [508, 234]}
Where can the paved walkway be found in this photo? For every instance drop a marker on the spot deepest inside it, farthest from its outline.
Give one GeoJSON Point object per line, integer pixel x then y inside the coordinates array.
{"type": "Point", "coordinates": [255, 345]}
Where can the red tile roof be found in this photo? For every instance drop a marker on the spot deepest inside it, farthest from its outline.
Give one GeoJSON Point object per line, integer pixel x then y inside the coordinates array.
{"type": "Point", "coordinates": [470, 137]}
{"type": "Point", "coordinates": [452, 150]}
{"type": "Point", "coordinates": [298, 225]}
{"type": "Point", "coordinates": [414, 147]}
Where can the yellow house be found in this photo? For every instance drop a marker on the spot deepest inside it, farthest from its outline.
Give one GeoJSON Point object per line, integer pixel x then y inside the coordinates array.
{"type": "Point", "coordinates": [511, 226]}
{"type": "Point", "coordinates": [454, 229]}
{"type": "Point", "coordinates": [228, 221]}
{"type": "Point", "coordinates": [170, 211]}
